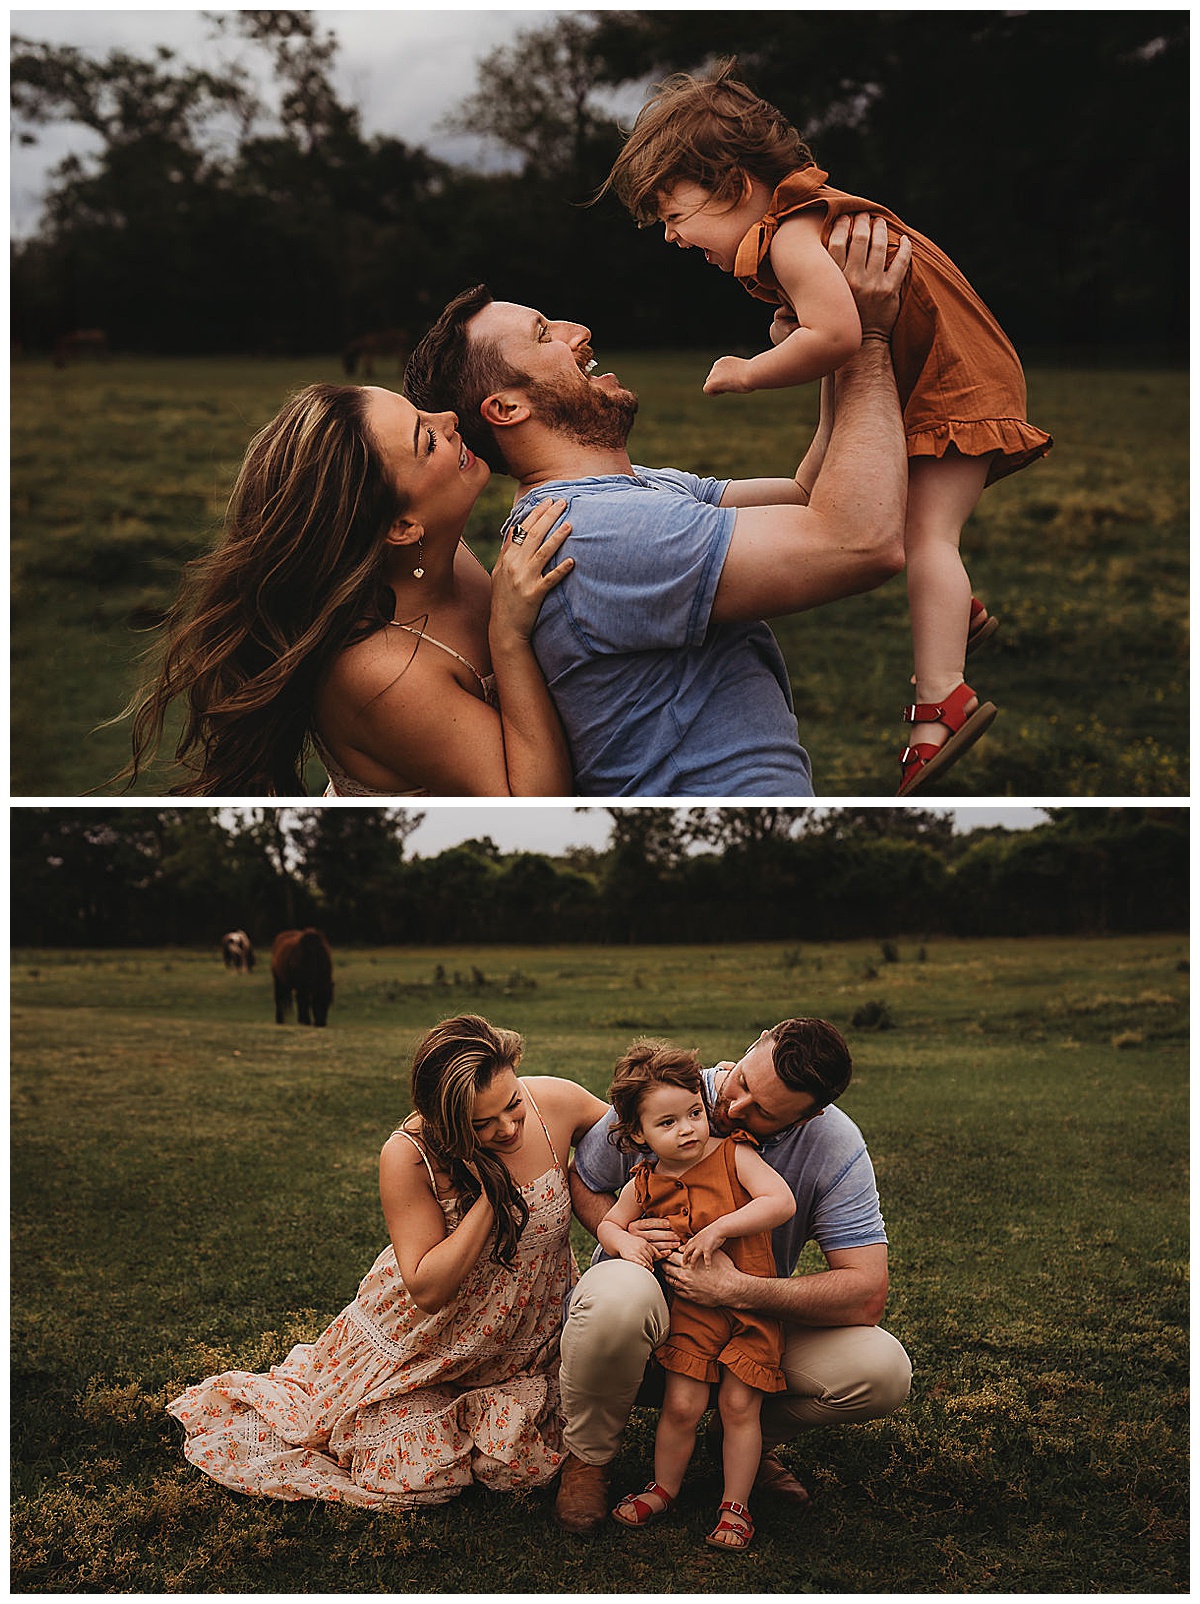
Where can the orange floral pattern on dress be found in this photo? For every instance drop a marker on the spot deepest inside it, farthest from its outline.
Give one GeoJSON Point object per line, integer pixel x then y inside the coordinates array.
{"type": "Point", "coordinates": [394, 1407]}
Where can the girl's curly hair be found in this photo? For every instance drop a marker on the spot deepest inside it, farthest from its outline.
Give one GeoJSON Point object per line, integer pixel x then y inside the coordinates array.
{"type": "Point", "coordinates": [711, 131]}
{"type": "Point", "coordinates": [648, 1063]}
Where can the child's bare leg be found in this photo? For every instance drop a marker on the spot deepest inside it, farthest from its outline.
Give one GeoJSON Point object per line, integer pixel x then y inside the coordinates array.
{"type": "Point", "coordinates": [684, 1402]}
{"type": "Point", "coordinates": [942, 493]}
{"type": "Point", "coordinates": [741, 1449]}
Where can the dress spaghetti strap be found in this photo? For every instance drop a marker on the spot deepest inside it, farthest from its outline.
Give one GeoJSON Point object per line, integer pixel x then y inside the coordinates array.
{"type": "Point", "coordinates": [400, 1131]}
{"type": "Point", "coordinates": [542, 1123]}
{"type": "Point", "coordinates": [487, 681]}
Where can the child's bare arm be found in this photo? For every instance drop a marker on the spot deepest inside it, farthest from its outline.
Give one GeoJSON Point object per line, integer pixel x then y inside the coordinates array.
{"type": "Point", "coordinates": [814, 457]}
{"type": "Point", "coordinates": [613, 1232]}
{"type": "Point", "coordinates": [771, 1203]}
{"type": "Point", "coordinates": [828, 331]}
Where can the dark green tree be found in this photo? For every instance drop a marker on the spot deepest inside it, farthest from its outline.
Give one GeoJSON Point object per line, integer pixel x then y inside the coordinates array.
{"type": "Point", "coordinates": [646, 850]}
{"type": "Point", "coordinates": [960, 120]}
{"type": "Point", "coordinates": [536, 98]}
{"type": "Point", "coordinates": [206, 192]}
{"type": "Point", "coordinates": [897, 824]}
{"type": "Point", "coordinates": [353, 860]}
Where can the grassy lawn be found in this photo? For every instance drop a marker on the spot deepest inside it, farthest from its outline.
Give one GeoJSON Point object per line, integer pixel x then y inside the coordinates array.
{"type": "Point", "coordinates": [120, 473]}
{"type": "Point", "coordinates": [194, 1188]}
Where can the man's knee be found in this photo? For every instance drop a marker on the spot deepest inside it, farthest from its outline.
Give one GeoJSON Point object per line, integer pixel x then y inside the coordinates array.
{"type": "Point", "coordinates": [888, 1372]}
{"type": "Point", "coordinates": [617, 1309]}
{"type": "Point", "coordinates": [856, 1373]}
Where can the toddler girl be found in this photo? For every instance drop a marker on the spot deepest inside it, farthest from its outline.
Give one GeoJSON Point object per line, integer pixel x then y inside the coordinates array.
{"type": "Point", "coordinates": [714, 1192]}
{"type": "Point", "coordinates": [725, 172]}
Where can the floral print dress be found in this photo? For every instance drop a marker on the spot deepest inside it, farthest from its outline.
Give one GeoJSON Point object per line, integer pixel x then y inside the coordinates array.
{"type": "Point", "coordinates": [392, 1407]}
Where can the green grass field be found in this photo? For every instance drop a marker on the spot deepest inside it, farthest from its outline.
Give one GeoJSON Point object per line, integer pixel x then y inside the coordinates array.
{"type": "Point", "coordinates": [194, 1188]}
{"type": "Point", "coordinates": [121, 473]}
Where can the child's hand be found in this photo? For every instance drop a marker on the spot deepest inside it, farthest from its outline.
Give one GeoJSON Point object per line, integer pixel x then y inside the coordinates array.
{"type": "Point", "coordinates": [729, 376]}
{"type": "Point", "coordinates": [657, 1235]}
{"type": "Point", "coordinates": [784, 323]}
{"type": "Point", "coordinates": [637, 1251]}
{"type": "Point", "coordinates": [705, 1243]}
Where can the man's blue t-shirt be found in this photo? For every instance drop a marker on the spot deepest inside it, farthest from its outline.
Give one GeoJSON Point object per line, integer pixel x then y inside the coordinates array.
{"type": "Point", "coordinates": [825, 1162]}
{"type": "Point", "coordinates": [655, 699]}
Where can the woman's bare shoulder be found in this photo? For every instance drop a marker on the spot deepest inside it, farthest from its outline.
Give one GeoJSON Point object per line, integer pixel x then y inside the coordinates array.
{"type": "Point", "coordinates": [385, 658]}
{"type": "Point", "coordinates": [403, 1150]}
{"type": "Point", "coordinates": [558, 1097]}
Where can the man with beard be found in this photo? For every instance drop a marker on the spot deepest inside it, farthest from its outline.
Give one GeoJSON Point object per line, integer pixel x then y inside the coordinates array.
{"type": "Point", "coordinates": [839, 1365]}
{"type": "Point", "coordinates": [666, 679]}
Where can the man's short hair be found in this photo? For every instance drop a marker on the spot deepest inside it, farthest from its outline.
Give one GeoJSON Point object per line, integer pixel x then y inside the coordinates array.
{"type": "Point", "coordinates": [448, 371]}
{"type": "Point", "coordinates": [811, 1056]}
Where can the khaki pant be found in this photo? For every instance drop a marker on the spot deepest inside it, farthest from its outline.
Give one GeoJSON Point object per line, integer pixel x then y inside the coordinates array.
{"type": "Point", "coordinates": [836, 1375]}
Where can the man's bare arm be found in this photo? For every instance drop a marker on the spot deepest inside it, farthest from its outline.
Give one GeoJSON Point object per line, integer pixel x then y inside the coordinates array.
{"type": "Point", "coordinates": [789, 557]}
{"type": "Point", "coordinates": [590, 1207]}
{"type": "Point", "coordinates": [851, 1292]}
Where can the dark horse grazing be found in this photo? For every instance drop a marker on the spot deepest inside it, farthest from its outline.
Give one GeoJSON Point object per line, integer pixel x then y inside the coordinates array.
{"type": "Point", "coordinates": [361, 355]}
{"type": "Point", "coordinates": [301, 962]}
{"type": "Point", "coordinates": [237, 952]}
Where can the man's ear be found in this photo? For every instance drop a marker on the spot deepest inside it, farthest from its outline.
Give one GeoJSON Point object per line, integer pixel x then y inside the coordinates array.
{"type": "Point", "coordinates": [404, 532]}
{"type": "Point", "coordinates": [504, 408]}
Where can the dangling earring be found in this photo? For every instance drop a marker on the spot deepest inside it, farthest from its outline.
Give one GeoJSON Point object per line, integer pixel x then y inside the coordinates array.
{"type": "Point", "coordinates": [419, 570]}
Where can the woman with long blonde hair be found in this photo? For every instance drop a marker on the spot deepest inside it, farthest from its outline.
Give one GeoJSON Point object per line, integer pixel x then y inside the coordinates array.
{"type": "Point", "coordinates": [342, 612]}
{"type": "Point", "coordinates": [444, 1369]}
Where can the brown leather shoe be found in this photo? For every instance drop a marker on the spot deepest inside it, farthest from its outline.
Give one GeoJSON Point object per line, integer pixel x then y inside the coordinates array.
{"type": "Point", "coordinates": [581, 1505]}
{"type": "Point", "coordinates": [774, 1477]}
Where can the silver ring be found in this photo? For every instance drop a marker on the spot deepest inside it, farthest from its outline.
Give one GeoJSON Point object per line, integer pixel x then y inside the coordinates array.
{"type": "Point", "coordinates": [517, 534]}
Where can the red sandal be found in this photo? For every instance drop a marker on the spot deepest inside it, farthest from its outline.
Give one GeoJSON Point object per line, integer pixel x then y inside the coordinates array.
{"type": "Point", "coordinates": [643, 1514]}
{"type": "Point", "coordinates": [982, 626]}
{"type": "Point", "coordinates": [925, 760]}
{"type": "Point", "coordinates": [740, 1537]}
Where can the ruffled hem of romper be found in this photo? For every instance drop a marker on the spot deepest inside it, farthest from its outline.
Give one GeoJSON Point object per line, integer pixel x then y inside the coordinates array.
{"type": "Point", "coordinates": [766, 1378]}
{"type": "Point", "coordinates": [1019, 443]}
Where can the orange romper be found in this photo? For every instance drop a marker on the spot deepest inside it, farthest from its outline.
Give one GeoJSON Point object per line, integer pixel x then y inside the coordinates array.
{"type": "Point", "coordinates": [701, 1340]}
{"type": "Point", "coordinates": [960, 381]}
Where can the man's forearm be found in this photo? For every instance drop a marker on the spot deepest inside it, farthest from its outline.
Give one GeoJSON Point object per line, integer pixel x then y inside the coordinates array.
{"type": "Point", "coordinates": [825, 1298]}
{"type": "Point", "coordinates": [590, 1207]}
{"type": "Point", "coordinates": [862, 486]}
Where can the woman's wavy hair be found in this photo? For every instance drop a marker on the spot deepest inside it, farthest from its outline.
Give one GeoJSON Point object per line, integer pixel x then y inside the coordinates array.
{"type": "Point", "coordinates": [298, 576]}
{"type": "Point", "coordinates": [646, 1063]}
{"type": "Point", "coordinates": [451, 1066]}
{"type": "Point", "coordinates": [711, 131]}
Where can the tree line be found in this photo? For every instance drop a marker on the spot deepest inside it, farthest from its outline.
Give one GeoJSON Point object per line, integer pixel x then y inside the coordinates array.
{"type": "Point", "coordinates": [1046, 151]}
{"type": "Point", "coordinates": [117, 877]}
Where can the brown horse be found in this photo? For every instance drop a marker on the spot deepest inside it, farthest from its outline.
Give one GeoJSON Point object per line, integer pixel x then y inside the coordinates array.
{"type": "Point", "coordinates": [237, 952]}
{"type": "Point", "coordinates": [360, 355]}
{"type": "Point", "coordinates": [302, 963]}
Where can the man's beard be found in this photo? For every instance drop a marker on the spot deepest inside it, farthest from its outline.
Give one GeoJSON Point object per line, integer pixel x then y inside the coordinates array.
{"type": "Point", "coordinates": [718, 1119]}
{"type": "Point", "coordinates": [584, 412]}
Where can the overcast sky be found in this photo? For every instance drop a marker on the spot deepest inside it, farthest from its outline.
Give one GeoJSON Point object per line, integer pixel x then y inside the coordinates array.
{"type": "Point", "coordinates": [555, 826]}
{"type": "Point", "coordinates": [404, 70]}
